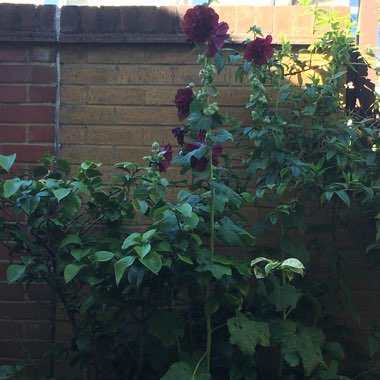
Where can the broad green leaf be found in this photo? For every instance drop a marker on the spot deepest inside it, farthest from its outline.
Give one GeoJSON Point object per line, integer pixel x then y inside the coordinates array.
{"type": "Point", "coordinates": [336, 349]}
{"type": "Point", "coordinates": [6, 162]}
{"type": "Point", "coordinates": [7, 371]}
{"type": "Point", "coordinates": [293, 265]}
{"type": "Point", "coordinates": [152, 261]}
{"type": "Point", "coordinates": [299, 344]}
{"type": "Point", "coordinates": [148, 234]}
{"type": "Point", "coordinates": [30, 204]}
{"type": "Point", "coordinates": [79, 253]}
{"type": "Point", "coordinates": [71, 270]}
{"type": "Point", "coordinates": [185, 209]}
{"type": "Point", "coordinates": [145, 249]}
{"type": "Point", "coordinates": [284, 296]}
{"type": "Point", "coordinates": [167, 326]}
{"type": "Point", "coordinates": [344, 197]}
{"type": "Point", "coordinates": [221, 137]}
{"type": "Point", "coordinates": [131, 240]}
{"type": "Point", "coordinates": [233, 234]}
{"type": "Point", "coordinates": [200, 121]}
{"type": "Point", "coordinates": [101, 256]}
{"type": "Point", "coordinates": [11, 186]}
{"type": "Point", "coordinates": [248, 334]}
{"type": "Point", "coordinates": [183, 371]}
{"type": "Point", "coordinates": [185, 259]}
{"type": "Point", "coordinates": [61, 193]}
{"type": "Point", "coordinates": [70, 239]}
{"type": "Point", "coordinates": [121, 266]}
{"type": "Point", "coordinates": [15, 272]}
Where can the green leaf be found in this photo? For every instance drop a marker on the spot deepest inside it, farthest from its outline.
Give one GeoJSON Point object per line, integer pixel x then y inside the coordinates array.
{"type": "Point", "coordinates": [71, 270]}
{"type": "Point", "coordinates": [30, 204]}
{"type": "Point", "coordinates": [148, 234]}
{"type": "Point", "coordinates": [152, 261]}
{"type": "Point", "coordinates": [11, 186]}
{"type": "Point", "coordinates": [6, 162]}
{"type": "Point", "coordinates": [336, 349]}
{"type": "Point", "coordinates": [294, 265]}
{"type": "Point", "coordinates": [299, 344]}
{"type": "Point", "coordinates": [284, 296]}
{"type": "Point", "coordinates": [373, 345]}
{"type": "Point", "coordinates": [70, 239]}
{"type": "Point", "coordinates": [234, 235]}
{"type": "Point", "coordinates": [167, 326]}
{"type": "Point", "coordinates": [183, 371]}
{"type": "Point", "coordinates": [200, 121]}
{"type": "Point", "coordinates": [185, 209]}
{"type": "Point", "coordinates": [248, 334]}
{"type": "Point", "coordinates": [145, 249]}
{"type": "Point", "coordinates": [121, 266]}
{"type": "Point", "coordinates": [61, 193]}
{"type": "Point", "coordinates": [7, 371]}
{"type": "Point", "coordinates": [211, 306]}
{"type": "Point", "coordinates": [221, 137]}
{"type": "Point", "coordinates": [131, 240]}
{"type": "Point", "coordinates": [220, 62]}
{"type": "Point", "coordinates": [185, 259]}
{"type": "Point", "coordinates": [101, 256]}
{"type": "Point", "coordinates": [15, 272]}
{"type": "Point", "coordinates": [344, 197]}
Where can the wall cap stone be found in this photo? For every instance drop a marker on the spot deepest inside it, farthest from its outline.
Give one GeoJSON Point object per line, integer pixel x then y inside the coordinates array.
{"type": "Point", "coordinates": [146, 24]}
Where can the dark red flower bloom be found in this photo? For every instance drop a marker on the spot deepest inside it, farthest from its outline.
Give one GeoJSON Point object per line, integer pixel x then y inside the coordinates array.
{"type": "Point", "coordinates": [200, 24]}
{"type": "Point", "coordinates": [217, 42]}
{"type": "Point", "coordinates": [167, 153]}
{"type": "Point", "coordinates": [200, 164]}
{"type": "Point", "coordinates": [182, 100]}
{"type": "Point", "coordinates": [259, 50]}
{"type": "Point", "coordinates": [179, 133]}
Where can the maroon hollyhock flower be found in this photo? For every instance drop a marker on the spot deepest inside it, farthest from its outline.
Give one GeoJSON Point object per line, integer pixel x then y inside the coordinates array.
{"type": "Point", "coordinates": [217, 42]}
{"type": "Point", "coordinates": [167, 153]}
{"type": "Point", "coordinates": [201, 26]}
{"type": "Point", "coordinates": [200, 164]}
{"type": "Point", "coordinates": [182, 100]}
{"type": "Point", "coordinates": [179, 133]}
{"type": "Point", "coordinates": [259, 50]}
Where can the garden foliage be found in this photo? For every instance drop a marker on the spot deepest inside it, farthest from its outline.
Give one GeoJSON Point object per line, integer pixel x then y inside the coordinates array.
{"type": "Point", "coordinates": [156, 288]}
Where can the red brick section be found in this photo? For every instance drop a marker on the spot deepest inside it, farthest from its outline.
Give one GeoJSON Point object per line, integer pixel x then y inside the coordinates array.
{"type": "Point", "coordinates": [27, 118]}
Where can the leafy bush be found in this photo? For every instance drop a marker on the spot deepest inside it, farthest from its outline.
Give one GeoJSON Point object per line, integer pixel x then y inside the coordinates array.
{"type": "Point", "coordinates": [147, 283]}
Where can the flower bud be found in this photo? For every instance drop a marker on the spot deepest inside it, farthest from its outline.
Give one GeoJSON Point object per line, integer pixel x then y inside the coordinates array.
{"type": "Point", "coordinates": [211, 109]}
{"type": "Point", "coordinates": [263, 100]}
{"type": "Point", "coordinates": [155, 147]}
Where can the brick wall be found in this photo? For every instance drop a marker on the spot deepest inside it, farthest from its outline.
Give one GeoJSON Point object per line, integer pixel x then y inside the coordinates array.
{"type": "Point", "coordinates": [117, 70]}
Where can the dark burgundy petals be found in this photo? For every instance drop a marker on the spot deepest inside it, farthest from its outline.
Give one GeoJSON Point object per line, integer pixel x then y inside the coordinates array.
{"type": "Point", "coordinates": [202, 135]}
{"type": "Point", "coordinates": [179, 133]}
{"type": "Point", "coordinates": [259, 50]}
{"type": "Point", "coordinates": [217, 42]}
{"type": "Point", "coordinates": [182, 100]}
{"type": "Point", "coordinates": [216, 153]}
{"type": "Point", "coordinates": [190, 146]}
{"type": "Point", "coordinates": [167, 153]}
{"type": "Point", "coordinates": [200, 24]}
{"type": "Point", "coordinates": [199, 164]}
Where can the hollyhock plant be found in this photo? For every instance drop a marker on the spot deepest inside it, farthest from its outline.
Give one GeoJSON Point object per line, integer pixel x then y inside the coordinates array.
{"type": "Point", "coordinates": [182, 100]}
{"type": "Point", "coordinates": [200, 164]}
{"type": "Point", "coordinates": [259, 50]}
{"type": "Point", "coordinates": [201, 27]}
{"type": "Point", "coordinates": [166, 153]}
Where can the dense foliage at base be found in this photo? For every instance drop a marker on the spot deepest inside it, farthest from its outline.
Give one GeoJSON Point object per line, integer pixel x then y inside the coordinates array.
{"type": "Point", "coordinates": [193, 287]}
